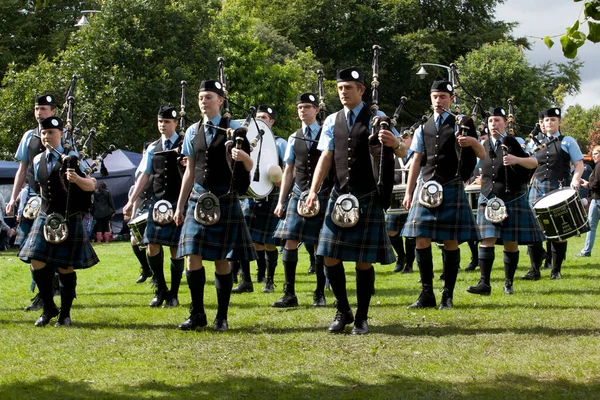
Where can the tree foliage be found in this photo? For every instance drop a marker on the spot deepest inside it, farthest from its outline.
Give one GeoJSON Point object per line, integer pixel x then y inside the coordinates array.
{"type": "Point", "coordinates": [574, 38]}
{"type": "Point", "coordinates": [581, 124]}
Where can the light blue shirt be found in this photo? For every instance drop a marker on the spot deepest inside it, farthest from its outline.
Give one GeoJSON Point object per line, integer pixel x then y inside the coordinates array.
{"type": "Point", "coordinates": [22, 154]}
{"type": "Point", "coordinates": [146, 163]}
{"type": "Point", "coordinates": [326, 141]}
{"type": "Point", "coordinates": [290, 156]}
{"type": "Point", "coordinates": [281, 145]}
{"type": "Point", "coordinates": [568, 144]}
{"type": "Point", "coordinates": [190, 134]}
{"type": "Point", "coordinates": [38, 158]}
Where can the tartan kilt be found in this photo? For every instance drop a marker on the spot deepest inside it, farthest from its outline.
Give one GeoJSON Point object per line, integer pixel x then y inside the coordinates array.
{"type": "Point", "coordinates": [227, 239]}
{"type": "Point", "coordinates": [166, 235]}
{"type": "Point", "coordinates": [452, 220]}
{"type": "Point", "coordinates": [296, 227]}
{"type": "Point", "coordinates": [519, 226]}
{"type": "Point", "coordinates": [538, 189]}
{"type": "Point", "coordinates": [76, 251]}
{"type": "Point", "coordinates": [367, 241]}
{"type": "Point", "coordinates": [23, 230]}
{"type": "Point", "coordinates": [395, 222]}
{"type": "Point", "coordinates": [261, 219]}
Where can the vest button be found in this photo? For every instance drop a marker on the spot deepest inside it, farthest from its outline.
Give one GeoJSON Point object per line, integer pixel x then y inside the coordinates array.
{"type": "Point", "coordinates": [349, 158]}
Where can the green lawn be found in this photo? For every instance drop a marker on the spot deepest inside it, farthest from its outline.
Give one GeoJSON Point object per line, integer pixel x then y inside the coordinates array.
{"type": "Point", "coordinates": [542, 342]}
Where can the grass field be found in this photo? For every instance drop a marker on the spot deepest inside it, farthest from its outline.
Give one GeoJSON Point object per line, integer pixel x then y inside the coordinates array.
{"type": "Point", "coordinates": [540, 343]}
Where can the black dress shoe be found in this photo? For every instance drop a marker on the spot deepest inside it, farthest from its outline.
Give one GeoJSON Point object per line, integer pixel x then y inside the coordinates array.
{"type": "Point", "coordinates": [426, 300]}
{"type": "Point", "coordinates": [288, 300]}
{"type": "Point", "coordinates": [555, 275]}
{"type": "Point", "coordinates": [63, 322]}
{"type": "Point", "coordinates": [532, 275]}
{"type": "Point", "coordinates": [243, 287]}
{"type": "Point", "coordinates": [269, 285]}
{"type": "Point", "coordinates": [46, 316]}
{"type": "Point", "coordinates": [471, 267]}
{"type": "Point", "coordinates": [481, 288]}
{"type": "Point", "coordinates": [360, 327]}
{"type": "Point", "coordinates": [159, 298]}
{"type": "Point", "coordinates": [36, 304]}
{"type": "Point", "coordinates": [398, 267]}
{"type": "Point", "coordinates": [446, 302]}
{"type": "Point", "coordinates": [144, 275]}
{"type": "Point", "coordinates": [340, 320]}
{"type": "Point", "coordinates": [171, 302]}
{"type": "Point", "coordinates": [408, 269]}
{"type": "Point", "coordinates": [319, 299]}
{"type": "Point", "coordinates": [547, 265]}
{"type": "Point", "coordinates": [220, 325]}
{"type": "Point", "coordinates": [195, 321]}
{"type": "Point", "coordinates": [312, 269]}
{"type": "Point", "coordinates": [508, 287]}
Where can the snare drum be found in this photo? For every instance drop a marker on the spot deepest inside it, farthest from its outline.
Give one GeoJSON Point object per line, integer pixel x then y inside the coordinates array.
{"type": "Point", "coordinates": [260, 183]}
{"type": "Point", "coordinates": [396, 206]}
{"type": "Point", "coordinates": [561, 214]}
{"type": "Point", "coordinates": [137, 226]}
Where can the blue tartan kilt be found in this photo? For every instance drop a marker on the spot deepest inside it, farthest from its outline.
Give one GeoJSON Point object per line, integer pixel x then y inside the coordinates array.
{"type": "Point", "coordinates": [296, 227]}
{"type": "Point", "coordinates": [395, 222]}
{"type": "Point", "coordinates": [261, 219]}
{"type": "Point", "coordinates": [166, 235]}
{"type": "Point", "coordinates": [519, 226]}
{"type": "Point", "coordinates": [452, 220]}
{"type": "Point", "coordinates": [367, 241]}
{"type": "Point", "coordinates": [76, 251]}
{"type": "Point", "coordinates": [538, 189]}
{"type": "Point", "coordinates": [23, 230]}
{"type": "Point", "coordinates": [227, 239]}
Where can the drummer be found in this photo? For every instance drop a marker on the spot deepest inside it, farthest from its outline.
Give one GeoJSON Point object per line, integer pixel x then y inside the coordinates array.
{"type": "Point", "coordinates": [505, 174]}
{"type": "Point", "coordinates": [162, 163]}
{"type": "Point", "coordinates": [553, 172]}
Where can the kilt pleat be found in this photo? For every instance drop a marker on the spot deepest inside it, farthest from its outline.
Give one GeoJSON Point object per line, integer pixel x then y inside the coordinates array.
{"type": "Point", "coordinates": [395, 222]}
{"type": "Point", "coordinates": [296, 227]}
{"type": "Point", "coordinates": [261, 219]}
{"type": "Point", "coordinates": [23, 229]}
{"type": "Point", "coordinates": [166, 235]}
{"type": "Point", "coordinates": [76, 251]}
{"type": "Point", "coordinates": [367, 241]}
{"type": "Point", "coordinates": [227, 239]}
{"type": "Point", "coordinates": [519, 226]}
{"type": "Point", "coordinates": [452, 220]}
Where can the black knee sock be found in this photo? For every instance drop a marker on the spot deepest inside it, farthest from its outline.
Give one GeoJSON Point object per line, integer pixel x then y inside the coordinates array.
{"type": "Point", "coordinates": [245, 266]}
{"type": "Point", "coordinates": [289, 258]}
{"type": "Point", "coordinates": [196, 281]}
{"type": "Point", "coordinates": [271, 257]}
{"type": "Point", "coordinates": [535, 255]}
{"type": "Point", "coordinates": [473, 248]}
{"type": "Point", "coordinates": [511, 261]}
{"type": "Point", "coordinates": [310, 249]}
{"type": "Point", "coordinates": [398, 247]}
{"type": "Point", "coordinates": [234, 266]}
{"type": "Point", "coordinates": [559, 250]}
{"type": "Point", "coordinates": [410, 251]}
{"type": "Point", "coordinates": [320, 267]}
{"type": "Point", "coordinates": [140, 254]}
{"type": "Point", "coordinates": [261, 263]}
{"type": "Point", "coordinates": [223, 284]}
{"type": "Point", "coordinates": [43, 277]}
{"type": "Point", "coordinates": [486, 261]}
{"type": "Point", "coordinates": [364, 288]}
{"type": "Point", "coordinates": [176, 273]}
{"type": "Point", "coordinates": [425, 263]}
{"type": "Point", "coordinates": [156, 263]}
{"type": "Point", "coordinates": [337, 280]}
{"type": "Point", "coordinates": [451, 264]}
{"type": "Point", "coordinates": [68, 283]}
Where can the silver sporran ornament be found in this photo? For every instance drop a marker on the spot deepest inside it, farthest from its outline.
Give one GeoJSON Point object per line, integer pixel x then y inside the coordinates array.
{"type": "Point", "coordinates": [304, 210]}
{"type": "Point", "coordinates": [32, 207]}
{"type": "Point", "coordinates": [162, 212]}
{"type": "Point", "coordinates": [345, 211]}
{"type": "Point", "coordinates": [208, 209]}
{"type": "Point", "coordinates": [495, 210]}
{"type": "Point", "coordinates": [432, 194]}
{"type": "Point", "coordinates": [55, 229]}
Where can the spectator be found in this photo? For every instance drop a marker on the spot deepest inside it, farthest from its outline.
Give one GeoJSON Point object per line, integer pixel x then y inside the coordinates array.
{"type": "Point", "coordinates": [103, 208]}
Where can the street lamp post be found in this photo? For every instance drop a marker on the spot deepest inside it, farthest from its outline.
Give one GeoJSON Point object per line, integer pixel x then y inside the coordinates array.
{"type": "Point", "coordinates": [423, 72]}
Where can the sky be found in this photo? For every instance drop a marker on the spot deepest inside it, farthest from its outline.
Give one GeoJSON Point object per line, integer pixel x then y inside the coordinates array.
{"type": "Point", "coordinates": [540, 18]}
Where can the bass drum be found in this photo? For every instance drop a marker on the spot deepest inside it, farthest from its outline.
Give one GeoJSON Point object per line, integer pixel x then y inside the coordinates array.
{"type": "Point", "coordinates": [264, 154]}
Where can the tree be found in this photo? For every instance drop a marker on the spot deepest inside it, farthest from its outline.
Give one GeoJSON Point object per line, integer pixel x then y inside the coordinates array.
{"type": "Point", "coordinates": [574, 38]}
{"type": "Point", "coordinates": [579, 123]}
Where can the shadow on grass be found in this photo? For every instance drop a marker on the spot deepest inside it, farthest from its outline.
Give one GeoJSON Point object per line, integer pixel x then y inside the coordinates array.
{"type": "Point", "coordinates": [440, 330]}
{"type": "Point", "coordinates": [303, 386]}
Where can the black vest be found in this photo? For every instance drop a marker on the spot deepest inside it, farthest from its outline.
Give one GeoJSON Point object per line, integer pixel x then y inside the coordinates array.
{"type": "Point", "coordinates": [440, 158]}
{"type": "Point", "coordinates": [554, 162]}
{"type": "Point", "coordinates": [34, 148]}
{"type": "Point", "coordinates": [351, 156]}
{"type": "Point", "coordinates": [167, 171]}
{"type": "Point", "coordinates": [494, 174]}
{"type": "Point", "coordinates": [54, 190]}
{"type": "Point", "coordinates": [306, 162]}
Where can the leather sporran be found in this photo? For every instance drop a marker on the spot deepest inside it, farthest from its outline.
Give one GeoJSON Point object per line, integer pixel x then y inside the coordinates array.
{"type": "Point", "coordinates": [162, 212]}
{"type": "Point", "coordinates": [431, 195]}
{"type": "Point", "coordinates": [55, 229]}
{"type": "Point", "coordinates": [346, 212]}
{"type": "Point", "coordinates": [495, 210]}
{"type": "Point", "coordinates": [304, 210]}
{"type": "Point", "coordinates": [208, 209]}
{"type": "Point", "coordinates": [32, 207]}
